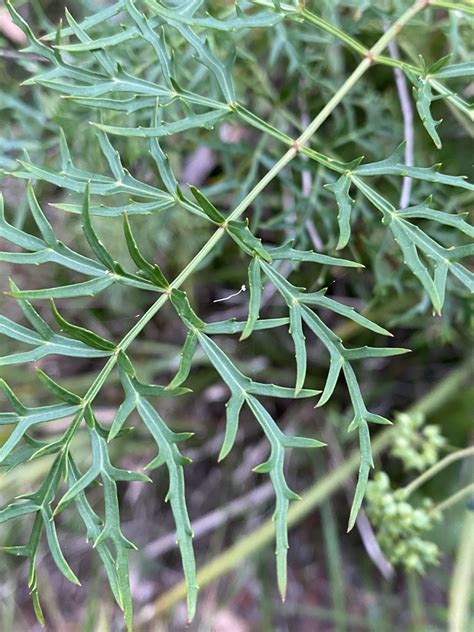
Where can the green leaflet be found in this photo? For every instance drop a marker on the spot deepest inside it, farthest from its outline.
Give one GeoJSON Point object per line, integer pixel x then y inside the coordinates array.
{"type": "Point", "coordinates": [423, 211]}
{"type": "Point", "coordinates": [186, 358]}
{"type": "Point", "coordinates": [101, 85]}
{"type": "Point", "coordinates": [424, 97]}
{"type": "Point", "coordinates": [237, 381]}
{"type": "Point", "coordinates": [101, 467]}
{"type": "Point", "coordinates": [74, 179]}
{"type": "Point", "coordinates": [110, 529]}
{"type": "Point", "coordinates": [93, 524]}
{"type": "Point", "coordinates": [13, 400]}
{"type": "Point", "coordinates": [360, 421]}
{"type": "Point", "coordinates": [243, 237]}
{"type": "Point", "coordinates": [134, 208]}
{"type": "Point", "coordinates": [56, 389]}
{"type": "Point", "coordinates": [292, 293]}
{"type": "Point", "coordinates": [43, 338]}
{"type": "Point", "coordinates": [181, 304]}
{"type": "Point", "coordinates": [166, 129]}
{"type": "Point", "coordinates": [150, 271]}
{"type": "Point", "coordinates": [145, 28]}
{"type": "Point", "coordinates": [220, 71]}
{"type": "Point", "coordinates": [334, 346]}
{"type": "Point", "coordinates": [361, 353]}
{"type": "Point", "coordinates": [35, 44]}
{"type": "Point", "coordinates": [25, 419]}
{"type": "Point", "coordinates": [19, 332]}
{"type": "Point", "coordinates": [243, 390]}
{"type": "Point", "coordinates": [43, 251]}
{"type": "Point", "coordinates": [102, 42]}
{"type": "Point", "coordinates": [80, 333]}
{"type": "Point", "coordinates": [345, 204]}
{"type": "Point", "coordinates": [240, 21]}
{"type": "Point", "coordinates": [232, 377]}
{"type": "Point", "coordinates": [44, 226]}
{"type": "Point", "coordinates": [233, 408]}
{"type": "Point", "coordinates": [465, 69]}
{"type": "Point", "coordinates": [128, 105]}
{"type": "Point", "coordinates": [93, 240]}
{"type": "Point", "coordinates": [339, 360]}
{"type": "Point", "coordinates": [393, 166]}
{"type": "Point", "coordinates": [39, 502]}
{"type": "Point", "coordinates": [288, 253]}
{"type": "Point", "coordinates": [170, 455]}
{"type": "Point", "coordinates": [43, 521]}
{"type": "Point", "coordinates": [106, 271]}
{"type": "Point", "coordinates": [234, 327]}
{"type": "Point", "coordinates": [86, 288]}
{"type": "Point", "coordinates": [255, 287]}
{"type": "Point", "coordinates": [366, 463]}
{"type": "Point", "coordinates": [283, 494]}
{"type": "Point", "coordinates": [209, 209]}
{"type": "Point", "coordinates": [163, 164]}
{"type": "Point", "coordinates": [320, 299]}
{"type": "Point", "coordinates": [17, 509]}
{"type": "Point", "coordinates": [296, 331]}
{"type": "Point", "coordinates": [272, 390]}
{"type": "Point", "coordinates": [410, 238]}
{"type": "Point", "coordinates": [101, 56]}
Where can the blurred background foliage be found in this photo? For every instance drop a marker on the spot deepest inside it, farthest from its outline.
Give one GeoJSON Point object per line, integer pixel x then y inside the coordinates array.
{"type": "Point", "coordinates": [284, 74]}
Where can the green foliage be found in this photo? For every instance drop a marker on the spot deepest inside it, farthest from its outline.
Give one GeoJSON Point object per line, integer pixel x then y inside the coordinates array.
{"type": "Point", "coordinates": [174, 70]}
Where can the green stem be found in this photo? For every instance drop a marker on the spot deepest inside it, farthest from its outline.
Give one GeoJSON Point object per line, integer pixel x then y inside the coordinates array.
{"type": "Point", "coordinates": [310, 499]}
{"type": "Point", "coordinates": [460, 592]}
{"type": "Point", "coordinates": [452, 6]}
{"type": "Point", "coordinates": [314, 19]}
{"type": "Point", "coordinates": [250, 197]}
{"type": "Point", "coordinates": [351, 42]}
{"type": "Point", "coordinates": [454, 498]}
{"type": "Point", "coordinates": [359, 48]}
{"type": "Point", "coordinates": [437, 467]}
{"type": "Point", "coordinates": [355, 45]}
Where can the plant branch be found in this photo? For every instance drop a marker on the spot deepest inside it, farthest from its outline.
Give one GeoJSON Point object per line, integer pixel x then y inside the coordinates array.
{"type": "Point", "coordinates": [251, 543]}
{"type": "Point", "coordinates": [437, 467]}
{"type": "Point", "coordinates": [352, 43]}
{"type": "Point", "coordinates": [408, 132]}
{"type": "Point", "coordinates": [448, 502]}
{"type": "Point", "coordinates": [258, 188]}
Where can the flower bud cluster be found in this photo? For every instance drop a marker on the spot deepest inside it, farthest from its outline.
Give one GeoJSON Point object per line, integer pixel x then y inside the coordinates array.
{"type": "Point", "coordinates": [400, 528]}
{"type": "Point", "coordinates": [416, 445]}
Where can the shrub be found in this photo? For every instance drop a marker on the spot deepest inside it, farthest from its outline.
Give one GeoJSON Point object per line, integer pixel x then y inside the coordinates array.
{"type": "Point", "coordinates": [285, 100]}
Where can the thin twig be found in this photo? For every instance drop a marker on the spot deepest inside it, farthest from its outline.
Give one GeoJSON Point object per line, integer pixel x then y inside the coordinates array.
{"type": "Point", "coordinates": [13, 54]}
{"type": "Point", "coordinates": [214, 519]}
{"type": "Point", "coordinates": [407, 113]}
{"type": "Point", "coordinates": [314, 235]}
{"type": "Point", "coordinates": [306, 186]}
{"type": "Point", "coordinates": [437, 467]}
{"type": "Point", "coordinates": [363, 525]}
{"type": "Point", "coordinates": [454, 499]}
